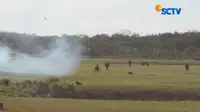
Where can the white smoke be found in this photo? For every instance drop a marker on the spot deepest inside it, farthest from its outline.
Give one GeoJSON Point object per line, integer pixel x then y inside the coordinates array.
{"type": "Point", "coordinates": [62, 59]}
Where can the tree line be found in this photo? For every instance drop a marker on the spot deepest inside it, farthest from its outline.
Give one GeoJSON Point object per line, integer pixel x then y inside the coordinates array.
{"type": "Point", "coordinates": [177, 45]}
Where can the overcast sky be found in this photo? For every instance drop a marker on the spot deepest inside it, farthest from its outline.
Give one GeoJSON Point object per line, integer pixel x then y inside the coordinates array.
{"type": "Point", "coordinates": [96, 16]}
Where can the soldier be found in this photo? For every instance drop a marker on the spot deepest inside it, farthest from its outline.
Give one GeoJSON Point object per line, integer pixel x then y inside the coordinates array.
{"type": "Point", "coordinates": [187, 67]}
{"type": "Point", "coordinates": [129, 63]}
{"type": "Point", "coordinates": [97, 69]}
{"type": "Point", "coordinates": [107, 65]}
{"type": "Point", "coordinates": [78, 83]}
{"type": "Point", "coordinates": [1, 106]}
{"type": "Point", "coordinates": [130, 73]}
{"type": "Point", "coordinates": [70, 90]}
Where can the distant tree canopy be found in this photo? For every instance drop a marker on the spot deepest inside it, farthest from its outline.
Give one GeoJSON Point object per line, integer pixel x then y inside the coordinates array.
{"type": "Point", "coordinates": [119, 45]}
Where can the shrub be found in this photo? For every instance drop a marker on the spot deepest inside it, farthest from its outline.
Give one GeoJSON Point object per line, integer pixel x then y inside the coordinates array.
{"type": "Point", "coordinates": [42, 88]}
{"type": "Point", "coordinates": [52, 80]}
{"type": "Point", "coordinates": [4, 82]}
{"type": "Point", "coordinates": [26, 84]}
{"type": "Point", "coordinates": [60, 90]}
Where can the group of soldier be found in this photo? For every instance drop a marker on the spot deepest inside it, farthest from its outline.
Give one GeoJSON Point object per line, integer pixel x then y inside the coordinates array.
{"type": "Point", "coordinates": [107, 65]}
{"type": "Point", "coordinates": [97, 69]}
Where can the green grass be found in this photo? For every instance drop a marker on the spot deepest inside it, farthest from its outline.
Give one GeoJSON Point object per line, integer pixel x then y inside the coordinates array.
{"type": "Point", "coordinates": [172, 76]}
{"type": "Point", "coordinates": [151, 76]}
{"type": "Point", "coordinates": [168, 75]}
{"type": "Point", "coordinates": [71, 105]}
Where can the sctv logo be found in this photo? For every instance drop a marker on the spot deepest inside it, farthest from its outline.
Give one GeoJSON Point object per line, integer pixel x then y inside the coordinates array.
{"type": "Point", "coordinates": [168, 11]}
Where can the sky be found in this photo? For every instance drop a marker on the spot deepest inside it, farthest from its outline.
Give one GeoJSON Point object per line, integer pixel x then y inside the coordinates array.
{"type": "Point", "coordinates": [93, 17]}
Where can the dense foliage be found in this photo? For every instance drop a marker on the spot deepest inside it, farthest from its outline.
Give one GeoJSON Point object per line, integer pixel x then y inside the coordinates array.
{"type": "Point", "coordinates": [120, 45]}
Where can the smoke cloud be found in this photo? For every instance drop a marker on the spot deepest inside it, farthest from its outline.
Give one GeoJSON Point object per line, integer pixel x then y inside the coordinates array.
{"type": "Point", "coordinates": [62, 58]}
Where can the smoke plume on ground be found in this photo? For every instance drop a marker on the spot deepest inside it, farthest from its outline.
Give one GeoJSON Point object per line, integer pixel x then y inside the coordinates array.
{"type": "Point", "coordinates": [61, 59]}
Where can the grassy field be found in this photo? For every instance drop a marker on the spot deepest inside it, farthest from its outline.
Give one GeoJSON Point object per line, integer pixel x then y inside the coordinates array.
{"type": "Point", "coordinates": [167, 74]}
{"type": "Point", "coordinates": [71, 105]}
{"type": "Point", "coordinates": [144, 76]}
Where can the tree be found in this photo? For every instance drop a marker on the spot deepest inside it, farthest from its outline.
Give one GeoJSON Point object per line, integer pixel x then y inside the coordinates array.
{"type": "Point", "coordinates": [120, 44]}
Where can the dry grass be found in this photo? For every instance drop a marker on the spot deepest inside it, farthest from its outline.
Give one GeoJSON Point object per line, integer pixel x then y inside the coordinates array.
{"type": "Point", "coordinates": [65, 105]}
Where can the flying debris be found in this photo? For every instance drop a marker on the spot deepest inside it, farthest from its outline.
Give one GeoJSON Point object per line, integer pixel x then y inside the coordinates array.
{"type": "Point", "coordinates": [45, 18]}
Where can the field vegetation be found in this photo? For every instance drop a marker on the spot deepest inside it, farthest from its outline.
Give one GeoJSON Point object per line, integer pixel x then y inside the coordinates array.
{"type": "Point", "coordinates": [163, 86]}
